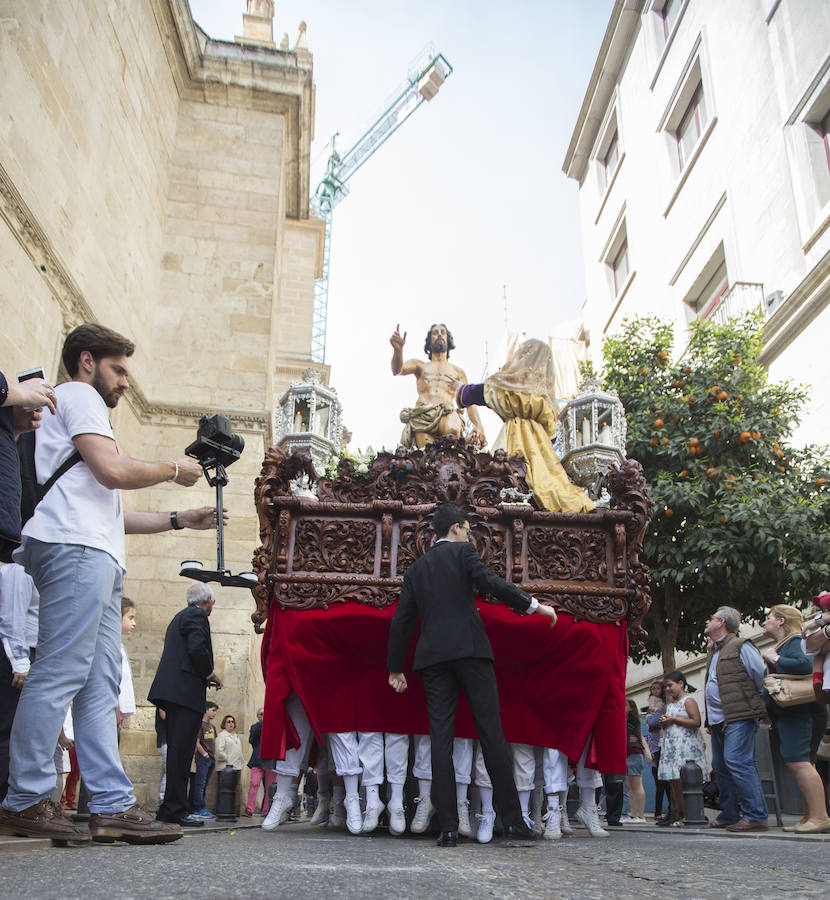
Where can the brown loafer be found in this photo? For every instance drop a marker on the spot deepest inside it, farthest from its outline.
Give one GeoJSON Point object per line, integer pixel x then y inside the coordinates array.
{"type": "Point", "coordinates": [134, 826]}
{"type": "Point", "coordinates": [44, 819]}
{"type": "Point", "coordinates": [743, 825]}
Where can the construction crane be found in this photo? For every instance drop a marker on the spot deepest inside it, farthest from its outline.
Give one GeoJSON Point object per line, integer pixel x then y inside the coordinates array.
{"type": "Point", "coordinates": [422, 84]}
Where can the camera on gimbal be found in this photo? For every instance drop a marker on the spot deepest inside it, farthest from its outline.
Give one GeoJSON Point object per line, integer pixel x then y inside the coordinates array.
{"type": "Point", "coordinates": [216, 444]}
{"type": "Point", "coordinates": [215, 447]}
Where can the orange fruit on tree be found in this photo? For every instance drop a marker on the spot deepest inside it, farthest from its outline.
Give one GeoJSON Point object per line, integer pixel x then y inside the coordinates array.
{"type": "Point", "coordinates": [821, 481]}
{"type": "Point", "coordinates": [653, 442]}
{"type": "Point", "coordinates": [685, 474]}
{"type": "Point", "coordinates": [665, 440]}
{"type": "Point", "coordinates": [669, 511]}
{"type": "Point", "coordinates": [712, 472]}
{"type": "Point", "coordinates": [756, 435]}
{"type": "Point", "coordinates": [659, 423]}
{"type": "Point", "coordinates": [744, 437]}
{"type": "Point", "coordinates": [723, 395]}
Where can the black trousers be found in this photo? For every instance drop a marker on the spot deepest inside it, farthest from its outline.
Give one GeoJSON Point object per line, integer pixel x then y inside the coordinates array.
{"type": "Point", "coordinates": [182, 732]}
{"type": "Point", "coordinates": [443, 683]}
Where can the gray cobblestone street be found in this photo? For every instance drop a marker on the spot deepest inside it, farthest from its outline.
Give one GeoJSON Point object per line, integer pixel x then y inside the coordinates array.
{"type": "Point", "coordinates": [300, 862]}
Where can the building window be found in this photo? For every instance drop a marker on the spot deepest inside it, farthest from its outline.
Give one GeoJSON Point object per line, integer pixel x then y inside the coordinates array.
{"type": "Point", "coordinates": [712, 294]}
{"type": "Point", "coordinates": [824, 129]}
{"type": "Point", "coordinates": [807, 138]}
{"type": "Point", "coordinates": [669, 14]}
{"type": "Point", "coordinates": [620, 268]}
{"type": "Point", "coordinates": [709, 288]}
{"type": "Point", "coordinates": [611, 158]}
{"type": "Point", "coordinates": [691, 127]}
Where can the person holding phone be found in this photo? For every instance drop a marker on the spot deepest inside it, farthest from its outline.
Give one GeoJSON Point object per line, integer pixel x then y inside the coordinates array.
{"type": "Point", "coordinates": [21, 409]}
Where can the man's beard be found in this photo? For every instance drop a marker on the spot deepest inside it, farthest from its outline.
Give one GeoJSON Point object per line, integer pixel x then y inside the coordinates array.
{"type": "Point", "coordinates": [111, 396]}
{"type": "Point", "coordinates": [438, 346]}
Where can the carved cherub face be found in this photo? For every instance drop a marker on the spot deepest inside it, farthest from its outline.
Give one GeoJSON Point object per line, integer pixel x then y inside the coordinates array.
{"type": "Point", "coordinates": [500, 455]}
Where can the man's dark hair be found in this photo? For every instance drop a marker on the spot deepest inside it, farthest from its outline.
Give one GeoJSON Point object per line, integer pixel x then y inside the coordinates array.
{"type": "Point", "coordinates": [428, 341]}
{"type": "Point", "coordinates": [100, 342]}
{"type": "Point", "coordinates": [445, 516]}
{"type": "Point", "coordinates": [211, 705]}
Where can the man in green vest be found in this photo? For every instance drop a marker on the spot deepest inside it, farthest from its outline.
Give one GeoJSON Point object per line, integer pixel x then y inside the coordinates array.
{"type": "Point", "coordinates": [734, 682]}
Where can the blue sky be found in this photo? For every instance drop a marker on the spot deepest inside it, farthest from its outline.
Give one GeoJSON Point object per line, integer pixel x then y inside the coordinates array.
{"type": "Point", "coordinates": [468, 196]}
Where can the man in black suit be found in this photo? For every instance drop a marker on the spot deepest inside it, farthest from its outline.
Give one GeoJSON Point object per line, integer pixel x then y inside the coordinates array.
{"type": "Point", "coordinates": [454, 653]}
{"type": "Point", "coordinates": [184, 673]}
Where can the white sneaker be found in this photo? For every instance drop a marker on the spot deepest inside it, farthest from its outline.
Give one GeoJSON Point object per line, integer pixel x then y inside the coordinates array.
{"type": "Point", "coordinates": [423, 814]}
{"type": "Point", "coordinates": [564, 822]}
{"type": "Point", "coordinates": [553, 829]}
{"type": "Point", "coordinates": [627, 820]}
{"type": "Point", "coordinates": [397, 820]}
{"type": "Point", "coordinates": [323, 811]}
{"type": "Point", "coordinates": [354, 818]}
{"type": "Point", "coordinates": [278, 813]}
{"type": "Point", "coordinates": [485, 827]}
{"type": "Point", "coordinates": [337, 819]}
{"type": "Point", "coordinates": [371, 816]}
{"type": "Point", "coordinates": [589, 817]}
{"type": "Point", "coordinates": [464, 827]}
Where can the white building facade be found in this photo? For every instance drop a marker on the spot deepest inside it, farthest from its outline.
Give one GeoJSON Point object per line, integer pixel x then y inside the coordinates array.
{"type": "Point", "coordinates": [703, 161]}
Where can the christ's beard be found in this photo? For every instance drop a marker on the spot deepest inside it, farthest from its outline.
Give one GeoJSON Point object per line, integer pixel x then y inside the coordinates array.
{"type": "Point", "coordinates": [439, 346]}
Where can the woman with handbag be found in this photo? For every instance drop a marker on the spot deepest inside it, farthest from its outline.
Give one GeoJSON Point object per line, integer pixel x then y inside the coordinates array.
{"type": "Point", "coordinates": [793, 725]}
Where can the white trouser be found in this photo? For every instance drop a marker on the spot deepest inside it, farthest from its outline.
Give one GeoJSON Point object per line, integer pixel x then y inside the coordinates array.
{"type": "Point", "coordinates": [527, 766]}
{"type": "Point", "coordinates": [297, 759]}
{"type": "Point", "coordinates": [462, 758]}
{"type": "Point", "coordinates": [370, 749]}
{"type": "Point", "coordinates": [556, 772]}
{"type": "Point", "coordinates": [343, 749]}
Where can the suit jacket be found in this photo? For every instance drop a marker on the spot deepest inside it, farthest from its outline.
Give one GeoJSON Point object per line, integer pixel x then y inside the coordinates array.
{"type": "Point", "coordinates": [186, 661]}
{"type": "Point", "coordinates": [440, 588]}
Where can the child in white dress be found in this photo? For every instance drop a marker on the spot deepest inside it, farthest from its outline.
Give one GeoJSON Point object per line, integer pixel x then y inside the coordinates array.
{"type": "Point", "coordinates": [681, 740]}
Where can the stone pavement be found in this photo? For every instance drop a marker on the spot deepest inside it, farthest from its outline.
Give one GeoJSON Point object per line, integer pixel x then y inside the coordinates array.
{"type": "Point", "coordinates": [303, 863]}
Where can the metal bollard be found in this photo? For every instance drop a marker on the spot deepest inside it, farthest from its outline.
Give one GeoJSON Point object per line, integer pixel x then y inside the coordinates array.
{"type": "Point", "coordinates": [691, 780]}
{"type": "Point", "coordinates": [227, 781]}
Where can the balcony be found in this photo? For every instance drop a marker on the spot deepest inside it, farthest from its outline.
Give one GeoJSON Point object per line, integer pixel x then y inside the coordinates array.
{"type": "Point", "coordinates": [741, 298]}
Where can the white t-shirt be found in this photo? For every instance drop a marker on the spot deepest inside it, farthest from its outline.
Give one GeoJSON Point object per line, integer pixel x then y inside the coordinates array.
{"type": "Point", "coordinates": [77, 509]}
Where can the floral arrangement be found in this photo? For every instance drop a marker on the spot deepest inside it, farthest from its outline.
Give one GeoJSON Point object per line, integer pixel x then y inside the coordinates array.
{"type": "Point", "coordinates": [360, 463]}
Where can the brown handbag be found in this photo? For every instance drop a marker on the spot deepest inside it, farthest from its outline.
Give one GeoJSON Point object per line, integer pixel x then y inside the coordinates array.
{"type": "Point", "coordinates": [790, 690]}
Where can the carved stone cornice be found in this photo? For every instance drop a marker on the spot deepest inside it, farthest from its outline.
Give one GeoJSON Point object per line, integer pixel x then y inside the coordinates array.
{"type": "Point", "coordinates": [32, 238]}
{"type": "Point", "coordinates": [75, 311]}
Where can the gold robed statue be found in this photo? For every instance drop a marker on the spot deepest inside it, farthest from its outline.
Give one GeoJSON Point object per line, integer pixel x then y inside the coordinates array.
{"type": "Point", "coordinates": [522, 394]}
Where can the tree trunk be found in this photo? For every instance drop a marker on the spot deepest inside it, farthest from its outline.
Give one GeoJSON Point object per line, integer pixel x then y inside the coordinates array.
{"type": "Point", "coordinates": [665, 614]}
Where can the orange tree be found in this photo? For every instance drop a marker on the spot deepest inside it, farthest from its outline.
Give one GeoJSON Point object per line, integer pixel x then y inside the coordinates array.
{"type": "Point", "coordinates": [741, 518]}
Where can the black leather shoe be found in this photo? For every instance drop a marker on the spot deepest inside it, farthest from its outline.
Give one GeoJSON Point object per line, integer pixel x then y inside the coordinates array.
{"type": "Point", "coordinates": [518, 833]}
{"type": "Point", "coordinates": [191, 822]}
{"type": "Point", "coordinates": [448, 839]}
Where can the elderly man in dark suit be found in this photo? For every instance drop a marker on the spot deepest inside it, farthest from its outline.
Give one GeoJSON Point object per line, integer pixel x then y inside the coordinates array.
{"type": "Point", "coordinates": [453, 654]}
{"type": "Point", "coordinates": [184, 673]}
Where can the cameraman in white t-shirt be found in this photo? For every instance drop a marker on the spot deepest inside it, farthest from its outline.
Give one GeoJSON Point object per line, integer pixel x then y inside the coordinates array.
{"type": "Point", "coordinates": [73, 547]}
